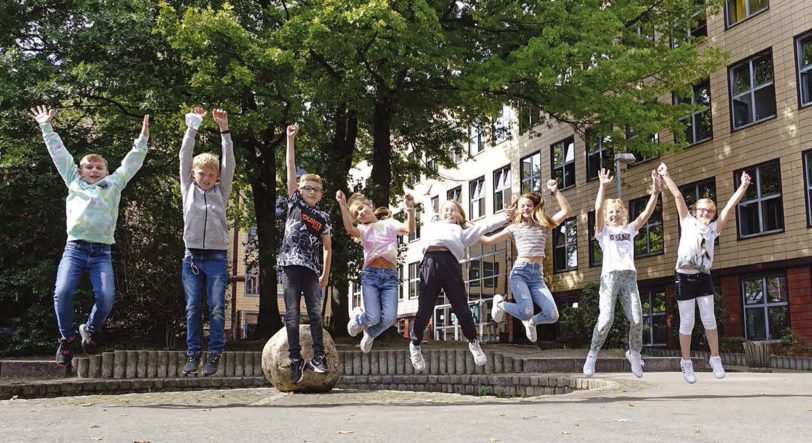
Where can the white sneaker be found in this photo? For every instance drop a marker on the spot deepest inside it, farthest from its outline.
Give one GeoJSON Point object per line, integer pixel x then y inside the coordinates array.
{"type": "Point", "coordinates": [636, 362]}
{"type": "Point", "coordinates": [716, 365]}
{"type": "Point", "coordinates": [366, 342]}
{"type": "Point", "coordinates": [530, 330]}
{"type": "Point", "coordinates": [589, 364]}
{"type": "Point", "coordinates": [479, 356]}
{"type": "Point", "coordinates": [497, 313]}
{"type": "Point", "coordinates": [688, 371]}
{"type": "Point", "coordinates": [353, 327]}
{"type": "Point", "coordinates": [416, 354]}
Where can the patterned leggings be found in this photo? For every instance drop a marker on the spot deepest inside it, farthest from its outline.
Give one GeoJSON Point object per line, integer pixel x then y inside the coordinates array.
{"type": "Point", "coordinates": [623, 283]}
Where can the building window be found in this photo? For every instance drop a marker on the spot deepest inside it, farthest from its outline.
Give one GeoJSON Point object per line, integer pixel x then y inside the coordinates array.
{"type": "Point", "coordinates": [692, 192]}
{"type": "Point", "coordinates": [595, 251]}
{"type": "Point", "coordinates": [752, 90]}
{"type": "Point", "coordinates": [766, 309]}
{"type": "Point", "coordinates": [565, 246]}
{"type": "Point", "coordinates": [808, 176]}
{"type": "Point", "coordinates": [738, 10]}
{"type": "Point", "coordinates": [401, 294]}
{"type": "Point", "coordinates": [485, 271]}
{"type": "Point", "coordinates": [501, 126]}
{"type": "Point", "coordinates": [435, 204]}
{"type": "Point", "coordinates": [456, 155]}
{"type": "Point", "coordinates": [249, 324]}
{"type": "Point", "coordinates": [563, 162]}
{"type": "Point", "coordinates": [761, 209]}
{"type": "Point", "coordinates": [530, 171]}
{"type": "Point", "coordinates": [415, 235]}
{"type": "Point", "coordinates": [476, 191]}
{"type": "Point", "coordinates": [476, 142]}
{"type": "Point", "coordinates": [649, 240]}
{"type": "Point", "coordinates": [529, 116]}
{"type": "Point", "coordinates": [598, 154]}
{"type": "Point", "coordinates": [454, 194]}
{"type": "Point", "coordinates": [654, 322]}
{"type": "Point", "coordinates": [698, 124]}
{"type": "Point", "coordinates": [803, 49]}
{"type": "Point", "coordinates": [697, 26]}
{"type": "Point", "coordinates": [252, 281]}
{"type": "Point", "coordinates": [355, 287]}
{"type": "Point", "coordinates": [414, 280]}
{"type": "Point", "coordinates": [501, 189]}
{"type": "Point", "coordinates": [639, 155]}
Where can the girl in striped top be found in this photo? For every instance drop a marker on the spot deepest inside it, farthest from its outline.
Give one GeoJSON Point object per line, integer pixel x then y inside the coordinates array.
{"type": "Point", "coordinates": [529, 232]}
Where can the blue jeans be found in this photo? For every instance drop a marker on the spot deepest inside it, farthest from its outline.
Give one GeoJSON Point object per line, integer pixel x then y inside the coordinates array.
{"type": "Point", "coordinates": [379, 289]}
{"type": "Point", "coordinates": [528, 286]}
{"type": "Point", "coordinates": [205, 270]}
{"type": "Point", "coordinates": [80, 257]}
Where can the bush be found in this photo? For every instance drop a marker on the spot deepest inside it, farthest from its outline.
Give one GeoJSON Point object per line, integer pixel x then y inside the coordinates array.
{"type": "Point", "coordinates": [732, 344]}
{"type": "Point", "coordinates": [577, 323]}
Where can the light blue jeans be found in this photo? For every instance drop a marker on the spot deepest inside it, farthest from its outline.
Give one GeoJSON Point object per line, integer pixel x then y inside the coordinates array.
{"type": "Point", "coordinates": [80, 257]}
{"type": "Point", "coordinates": [379, 290]}
{"type": "Point", "coordinates": [527, 284]}
{"type": "Point", "coordinates": [205, 273]}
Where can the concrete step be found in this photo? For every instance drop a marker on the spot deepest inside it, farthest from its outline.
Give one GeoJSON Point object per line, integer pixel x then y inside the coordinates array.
{"type": "Point", "coordinates": [32, 369]}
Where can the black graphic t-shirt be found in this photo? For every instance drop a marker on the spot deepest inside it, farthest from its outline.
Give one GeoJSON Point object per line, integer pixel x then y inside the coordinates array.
{"type": "Point", "coordinates": [301, 245]}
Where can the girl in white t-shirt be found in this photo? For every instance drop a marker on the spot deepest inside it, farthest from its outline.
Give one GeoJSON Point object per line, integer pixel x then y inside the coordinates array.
{"type": "Point", "coordinates": [379, 276]}
{"type": "Point", "coordinates": [692, 281]}
{"type": "Point", "coordinates": [619, 276]}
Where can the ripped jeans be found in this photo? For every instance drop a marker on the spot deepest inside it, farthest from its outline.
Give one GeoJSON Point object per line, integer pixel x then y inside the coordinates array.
{"type": "Point", "coordinates": [527, 285]}
{"type": "Point", "coordinates": [205, 270]}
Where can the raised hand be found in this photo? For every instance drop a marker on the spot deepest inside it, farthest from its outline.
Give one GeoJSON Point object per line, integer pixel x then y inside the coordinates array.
{"type": "Point", "coordinates": [662, 170]}
{"type": "Point", "coordinates": [41, 114]}
{"type": "Point", "coordinates": [745, 181]}
{"type": "Point", "coordinates": [409, 199]}
{"type": "Point", "coordinates": [221, 118]}
{"type": "Point", "coordinates": [656, 180]}
{"type": "Point", "coordinates": [340, 198]}
{"type": "Point", "coordinates": [145, 126]}
{"type": "Point", "coordinates": [510, 211]}
{"type": "Point", "coordinates": [199, 111]}
{"type": "Point", "coordinates": [603, 177]}
{"type": "Point", "coordinates": [292, 131]}
{"type": "Point", "coordinates": [552, 185]}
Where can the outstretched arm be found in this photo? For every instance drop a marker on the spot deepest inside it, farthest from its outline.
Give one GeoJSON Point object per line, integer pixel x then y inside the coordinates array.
{"type": "Point", "coordinates": [603, 181]}
{"type": "Point", "coordinates": [409, 226]}
{"type": "Point", "coordinates": [134, 159]}
{"type": "Point", "coordinates": [193, 120]}
{"type": "Point", "coordinates": [290, 161]}
{"type": "Point", "coordinates": [724, 216]}
{"type": "Point", "coordinates": [565, 210]}
{"type": "Point", "coordinates": [62, 159]}
{"type": "Point", "coordinates": [227, 163]}
{"type": "Point", "coordinates": [346, 218]}
{"type": "Point", "coordinates": [488, 240]}
{"type": "Point", "coordinates": [652, 201]}
{"type": "Point", "coordinates": [682, 208]}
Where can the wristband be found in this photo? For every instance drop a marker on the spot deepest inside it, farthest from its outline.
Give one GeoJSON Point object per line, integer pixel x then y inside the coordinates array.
{"type": "Point", "coordinates": [225, 132]}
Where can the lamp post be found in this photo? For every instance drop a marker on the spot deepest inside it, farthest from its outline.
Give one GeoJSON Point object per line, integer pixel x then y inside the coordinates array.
{"type": "Point", "coordinates": [622, 158]}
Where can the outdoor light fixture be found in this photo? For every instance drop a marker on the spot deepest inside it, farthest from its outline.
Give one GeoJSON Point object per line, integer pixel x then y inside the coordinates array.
{"type": "Point", "coordinates": [622, 158]}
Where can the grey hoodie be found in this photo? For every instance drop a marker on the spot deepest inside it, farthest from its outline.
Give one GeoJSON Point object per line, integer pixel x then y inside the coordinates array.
{"type": "Point", "coordinates": [204, 212]}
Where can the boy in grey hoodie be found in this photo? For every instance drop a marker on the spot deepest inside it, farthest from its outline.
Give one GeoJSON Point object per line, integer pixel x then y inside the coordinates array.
{"type": "Point", "coordinates": [205, 234]}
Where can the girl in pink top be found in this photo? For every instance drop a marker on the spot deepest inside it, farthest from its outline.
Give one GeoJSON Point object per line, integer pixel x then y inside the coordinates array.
{"type": "Point", "coordinates": [379, 276]}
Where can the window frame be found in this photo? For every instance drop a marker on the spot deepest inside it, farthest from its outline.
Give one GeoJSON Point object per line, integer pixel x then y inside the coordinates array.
{"type": "Point", "coordinates": [693, 117]}
{"type": "Point", "coordinates": [755, 180]}
{"type": "Point", "coordinates": [533, 174]}
{"type": "Point", "coordinates": [480, 201]}
{"type": "Point", "coordinates": [415, 235]}
{"type": "Point", "coordinates": [806, 158]}
{"type": "Point", "coordinates": [753, 89]}
{"type": "Point", "coordinates": [563, 167]}
{"type": "Point", "coordinates": [701, 30]}
{"type": "Point", "coordinates": [594, 245]}
{"type": "Point", "coordinates": [648, 294]}
{"type": "Point", "coordinates": [505, 191]}
{"type": "Point", "coordinates": [765, 304]}
{"type": "Point", "coordinates": [646, 229]}
{"type": "Point", "coordinates": [590, 137]}
{"type": "Point", "coordinates": [413, 275]}
{"type": "Point", "coordinates": [747, 15]}
{"type": "Point", "coordinates": [449, 195]}
{"type": "Point", "coordinates": [567, 244]}
{"type": "Point", "coordinates": [476, 139]}
{"type": "Point", "coordinates": [807, 70]}
{"type": "Point", "coordinates": [695, 185]}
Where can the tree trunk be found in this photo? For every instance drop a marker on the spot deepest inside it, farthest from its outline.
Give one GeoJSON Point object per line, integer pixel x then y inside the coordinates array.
{"type": "Point", "coordinates": [381, 176]}
{"type": "Point", "coordinates": [268, 319]}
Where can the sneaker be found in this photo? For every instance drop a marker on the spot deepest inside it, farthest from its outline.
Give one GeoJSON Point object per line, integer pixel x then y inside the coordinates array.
{"type": "Point", "coordinates": [353, 327]}
{"type": "Point", "coordinates": [297, 367]}
{"type": "Point", "coordinates": [416, 354]}
{"type": "Point", "coordinates": [530, 330]}
{"type": "Point", "coordinates": [366, 342]}
{"type": "Point", "coordinates": [212, 363]}
{"type": "Point", "coordinates": [716, 365]}
{"type": "Point", "coordinates": [64, 353]}
{"type": "Point", "coordinates": [89, 340]}
{"type": "Point", "coordinates": [318, 363]}
{"type": "Point", "coordinates": [636, 362]}
{"type": "Point", "coordinates": [688, 371]}
{"type": "Point", "coordinates": [192, 362]}
{"type": "Point", "coordinates": [589, 364]}
{"type": "Point", "coordinates": [479, 356]}
{"type": "Point", "coordinates": [497, 313]}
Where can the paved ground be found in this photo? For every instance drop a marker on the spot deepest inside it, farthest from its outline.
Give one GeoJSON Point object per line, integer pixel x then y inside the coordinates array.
{"type": "Point", "coordinates": [661, 407]}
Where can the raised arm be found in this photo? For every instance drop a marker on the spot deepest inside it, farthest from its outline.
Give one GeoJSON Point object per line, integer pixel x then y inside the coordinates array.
{"type": "Point", "coordinates": [290, 160]}
{"type": "Point", "coordinates": [652, 201]}
{"type": "Point", "coordinates": [409, 226]}
{"type": "Point", "coordinates": [346, 218]}
{"type": "Point", "coordinates": [227, 163]}
{"type": "Point", "coordinates": [682, 208]}
{"type": "Point", "coordinates": [134, 159]}
{"type": "Point", "coordinates": [603, 182]}
{"type": "Point", "coordinates": [193, 120]}
{"type": "Point", "coordinates": [724, 216]}
{"type": "Point", "coordinates": [62, 159]}
{"type": "Point", "coordinates": [565, 210]}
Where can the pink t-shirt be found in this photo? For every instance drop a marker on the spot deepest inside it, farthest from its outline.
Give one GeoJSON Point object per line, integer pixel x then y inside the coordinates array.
{"type": "Point", "coordinates": [380, 239]}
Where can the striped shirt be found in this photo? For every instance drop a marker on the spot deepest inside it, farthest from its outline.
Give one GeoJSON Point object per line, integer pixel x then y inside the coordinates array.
{"type": "Point", "coordinates": [529, 238]}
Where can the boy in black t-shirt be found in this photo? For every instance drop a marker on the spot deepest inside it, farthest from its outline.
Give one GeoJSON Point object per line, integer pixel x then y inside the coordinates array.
{"type": "Point", "coordinates": [299, 262]}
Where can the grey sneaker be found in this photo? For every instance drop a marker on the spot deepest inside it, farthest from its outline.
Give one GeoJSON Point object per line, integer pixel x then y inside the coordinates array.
{"type": "Point", "coordinates": [64, 353]}
{"type": "Point", "coordinates": [353, 327]}
{"type": "Point", "coordinates": [636, 362]}
{"type": "Point", "coordinates": [212, 363]}
{"type": "Point", "coordinates": [589, 364]}
{"type": "Point", "coordinates": [416, 355]}
{"type": "Point", "coordinates": [89, 340]}
{"type": "Point", "coordinates": [366, 342]}
{"type": "Point", "coordinates": [530, 330]}
{"type": "Point", "coordinates": [192, 362]}
{"type": "Point", "coordinates": [318, 363]}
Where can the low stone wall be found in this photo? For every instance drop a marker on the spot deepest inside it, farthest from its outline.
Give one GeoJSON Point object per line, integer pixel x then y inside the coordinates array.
{"type": "Point", "coordinates": [162, 364]}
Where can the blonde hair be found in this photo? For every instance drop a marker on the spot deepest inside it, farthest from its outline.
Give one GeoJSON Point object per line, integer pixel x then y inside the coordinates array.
{"type": "Point", "coordinates": [618, 203]}
{"type": "Point", "coordinates": [206, 160]}
{"type": "Point", "coordinates": [355, 201]}
{"type": "Point", "coordinates": [311, 178]}
{"type": "Point", "coordinates": [93, 158]}
{"type": "Point", "coordinates": [538, 216]}
{"type": "Point", "coordinates": [464, 223]}
{"type": "Point", "coordinates": [382, 212]}
{"type": "Point", "coordinates": [707, 201]}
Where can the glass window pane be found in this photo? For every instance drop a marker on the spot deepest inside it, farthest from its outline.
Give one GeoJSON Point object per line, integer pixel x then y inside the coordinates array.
{"type": "Point", "coordinates": [754, 319]}
{"type": "Point", "coordinates": [772, 214]}
{"type": "Point", "coordinates": [779, 321]}
{"type": "Point", "coordinates": [741, 78]}
{"type": "Point", "coordinates": [806, 87]}
{"type": "Point", "coordinates": [770, 179]}
{"type": "Point", "coordinates": [703, 126]}
{"type": "Point", "coordinates": [742, 113]}
{"type": "Point", "coordinates": [777, 289]}
{"type": "Point", "coordinates": [805, 51]}
{"type": "Point", "coordinates": [765, 102]}
{"type": "Point", "coordinates": [763, 67]}
{"type": "Point", "coordinates": [753, 292]}
{"type": "Point", "coordinates": [659, 326]}
{"type": "Point", "coordinates": [748, 218]}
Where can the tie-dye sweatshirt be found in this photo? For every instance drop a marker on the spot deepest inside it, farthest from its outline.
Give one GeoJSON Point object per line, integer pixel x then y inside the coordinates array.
{"type": "Point", "coordinates": [92, 209]}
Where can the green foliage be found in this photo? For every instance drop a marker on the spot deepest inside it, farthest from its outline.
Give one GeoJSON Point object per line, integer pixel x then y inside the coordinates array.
{"type": "Point", "coordinates": [577, 323]}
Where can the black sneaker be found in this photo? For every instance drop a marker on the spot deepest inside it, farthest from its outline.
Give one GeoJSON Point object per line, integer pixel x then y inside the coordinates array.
{"type": "Point", "coordinates": [297, 366]}
{"type": "Point", "coordinates": [89, 340]}
{"type": "Point", "coordinates": [212, 363]}
{"type": "Point", "coordinates": [192, 362]}
{"type": "Point", "coordinates": [64, 353]}
{"type": "Point", "coordinates": [318, 363]}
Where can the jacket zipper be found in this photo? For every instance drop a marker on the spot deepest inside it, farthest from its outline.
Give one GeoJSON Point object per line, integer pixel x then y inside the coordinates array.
{"type": "Point", "coordinates": [205, 217]}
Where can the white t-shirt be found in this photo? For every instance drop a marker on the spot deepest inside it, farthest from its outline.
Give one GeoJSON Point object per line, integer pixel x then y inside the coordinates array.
{"type": "Point", "coordinates": [617, 244]}
{"type": "Point", "coordinates": [695, 253]}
